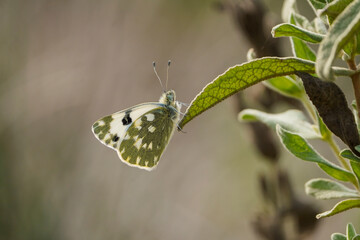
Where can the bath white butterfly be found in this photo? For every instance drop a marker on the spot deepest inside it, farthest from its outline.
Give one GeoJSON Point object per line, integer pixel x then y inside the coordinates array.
{"type": "Point", "coordinates": [141, 133]}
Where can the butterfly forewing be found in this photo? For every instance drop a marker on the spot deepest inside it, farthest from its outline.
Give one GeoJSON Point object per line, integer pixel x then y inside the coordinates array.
{"type": "Point", "coordinates": [146, 139]}
{"type": "Point", "coordinates": [110, 130]}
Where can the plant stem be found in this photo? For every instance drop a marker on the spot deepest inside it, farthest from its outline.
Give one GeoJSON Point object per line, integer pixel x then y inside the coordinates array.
{"type": "Point", "coordinates": [336, 151]}
{"type": "Point", "coordinates": [309, 107]}
{"type": "Point", "coordinates": [356, 83]}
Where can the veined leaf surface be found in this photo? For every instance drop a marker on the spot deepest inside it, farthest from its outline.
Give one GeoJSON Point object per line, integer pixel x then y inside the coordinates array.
{"type": "Point", "coordinates": [240, 77]}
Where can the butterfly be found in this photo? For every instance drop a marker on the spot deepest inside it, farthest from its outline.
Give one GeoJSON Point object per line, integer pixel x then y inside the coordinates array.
{"type": "Point", "coordinates": [141, 133]}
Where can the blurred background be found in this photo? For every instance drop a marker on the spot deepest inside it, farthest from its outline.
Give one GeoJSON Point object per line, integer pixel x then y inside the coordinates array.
{"type": "Point", "coordinates": [65, 64]}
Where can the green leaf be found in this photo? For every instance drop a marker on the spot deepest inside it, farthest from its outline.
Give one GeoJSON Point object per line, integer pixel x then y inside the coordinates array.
{"type": "Point", "coordinates": [290, 30]}
{"type": "Point", "coordinates": [340, 207]}
{"type": "Point", "coordinates": [350, 231]}
{"type": "Point", "coordinates": [302, 50]}
{"type": "Point", "coordinates": [299, 48]}
{"type": "Point", "coordinates": [354, 162]}
{"type": "Point", "coordinates": [321, 188]}
{"type": "Point", "coordinates": [349, 49]}
{"type": "Point", "coordinates": [240, 77]}
{"type": "Point", "coordinates": [338, 236]}
{"type": "Point", "coordinates": [339, 174]}
{"type": "Point", "coordinates": [346, 153]}
{"type": "Point", "coordinates": [333, 9]}
{"type": "Point", "coordinates": [300, 148]}
{"type": "Point", "coordinates": [291, 120]}
{"type": "Point", "coordinates": [356, 169]}
{"type": "Point", "coordinates": [317, 4]}
{"type": "Point", "coordinates": [285, 86]}
{"type": "Point", "coordinates": [341, 32]}
{"type": "Point", "coordinates": [358, 43]}
{"type": "Point", "coordinates": [357, 237]}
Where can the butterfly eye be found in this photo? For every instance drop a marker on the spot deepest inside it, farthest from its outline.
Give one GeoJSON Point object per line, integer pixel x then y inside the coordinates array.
{"type": "Point", "coordinates": [170, 95]}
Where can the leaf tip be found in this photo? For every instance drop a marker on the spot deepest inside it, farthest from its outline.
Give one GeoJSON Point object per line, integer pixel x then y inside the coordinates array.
{"type": "Point", "coordinates": [357, 147]}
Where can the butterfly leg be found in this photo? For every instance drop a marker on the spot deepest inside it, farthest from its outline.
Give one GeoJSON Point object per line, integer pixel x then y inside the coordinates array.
{"type": "Point", "coordinates": [184, 104]}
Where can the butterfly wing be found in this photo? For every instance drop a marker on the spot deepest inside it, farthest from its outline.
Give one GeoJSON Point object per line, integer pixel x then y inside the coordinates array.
{"type": "Point", "coordinates": [147, 138]}
{"type": "Point", "coordinates": [139, 134]}
{"type": "Point", "coordinates": [110, 130]}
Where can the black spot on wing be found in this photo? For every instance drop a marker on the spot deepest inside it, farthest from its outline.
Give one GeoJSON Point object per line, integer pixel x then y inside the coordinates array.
{"type": "Point", "coordinates": [115, 138]}
{"type": "Point", "coordinates": [127, 119]}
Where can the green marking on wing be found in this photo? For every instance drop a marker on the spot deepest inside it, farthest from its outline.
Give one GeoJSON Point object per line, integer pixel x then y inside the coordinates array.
{"type": "Point", "coordinates": [102, 127]}
{"type": "Point", "coordinates": [142, 147]}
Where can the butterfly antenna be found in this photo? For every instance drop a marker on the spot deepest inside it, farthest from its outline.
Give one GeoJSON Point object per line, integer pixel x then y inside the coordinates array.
{"type": "Point", "coordinates": [157, 75]}
{"type": "Point", "coordinates": [167, 73]}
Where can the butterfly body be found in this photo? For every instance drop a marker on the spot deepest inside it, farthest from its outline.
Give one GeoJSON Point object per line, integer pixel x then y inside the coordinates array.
{"type": "Point", "coordinates": [141, 133]}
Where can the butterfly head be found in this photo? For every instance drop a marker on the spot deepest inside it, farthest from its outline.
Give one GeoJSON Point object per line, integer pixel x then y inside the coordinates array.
{"type": "Point", "coordinates": [168, 98]}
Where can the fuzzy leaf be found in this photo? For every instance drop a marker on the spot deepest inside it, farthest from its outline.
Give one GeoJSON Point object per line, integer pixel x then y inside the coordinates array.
{"type": "Point", "coordinates": [340, 207]}
{"type": "Point", "coordinates": [290, 30]}
{"type": "Point", "coordinates": [341, 32]}
{"type": "Point", "coordinates": [346, 153]}
{"type": "Point", "coordinates": [299, 48]}
{"type": "Point", "coordinates": [240, 77]}
{"type": "Point", "coordinates": [333, 9]}
{"type": "Point", "coordinates": [317, 4]}
{"type": "Point", "coordinates": [327, 189]}
{"type": "Point", "coordinates": [301, 21]}
{"type": "Point", "coordinates": [350, 231]}
{"type": "Point", "coordinates": [320, 26]}
{"type": "Point", "coordinates": [338, 236]}
{"type": "Point", "coordinates": [285, 86]}
{"type": "Point", "coordinates": [332, 107]}
{"type": "Point", "coordinates": [354, 162]}
{"type": "Point", "coordinates": [355, 166]}
{"type": "Point", "coordinates": [300, 148]}
{"type": "Point", "coordinates": [291, 120]}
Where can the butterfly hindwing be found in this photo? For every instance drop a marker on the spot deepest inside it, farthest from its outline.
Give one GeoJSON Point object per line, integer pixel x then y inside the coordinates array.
{"type": "Point", "coordinates": [146, 139]}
